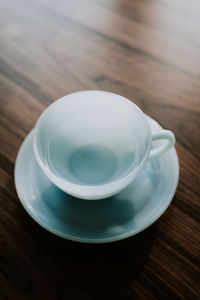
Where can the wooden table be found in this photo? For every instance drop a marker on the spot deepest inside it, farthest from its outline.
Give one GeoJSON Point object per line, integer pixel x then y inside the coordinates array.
{"type": "Point", "coordinates": [146, 50]}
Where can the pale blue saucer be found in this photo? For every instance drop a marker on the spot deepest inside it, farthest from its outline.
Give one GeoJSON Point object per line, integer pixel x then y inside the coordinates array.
{"type": "Point", "coordinates": [108, 220]}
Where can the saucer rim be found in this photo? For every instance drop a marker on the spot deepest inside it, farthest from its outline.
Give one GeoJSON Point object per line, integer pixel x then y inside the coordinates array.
{"type": "Point", "coordinates": [98, 240]}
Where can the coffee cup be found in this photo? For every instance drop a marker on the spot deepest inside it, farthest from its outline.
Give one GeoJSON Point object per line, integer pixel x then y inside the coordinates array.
{"type": "Point", "coordinates": [92, 144]}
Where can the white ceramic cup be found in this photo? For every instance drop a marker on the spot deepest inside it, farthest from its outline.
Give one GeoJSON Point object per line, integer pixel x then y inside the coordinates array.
{"type": "Point", "coordinates": [92, 144]}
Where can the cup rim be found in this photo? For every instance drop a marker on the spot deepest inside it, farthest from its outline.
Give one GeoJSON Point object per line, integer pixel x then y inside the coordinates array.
{"type": "Point", "coordinates": [61, 183]}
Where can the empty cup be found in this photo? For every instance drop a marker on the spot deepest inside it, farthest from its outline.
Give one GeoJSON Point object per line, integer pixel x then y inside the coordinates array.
{"type": "Point", "coordinates": [92, 144]}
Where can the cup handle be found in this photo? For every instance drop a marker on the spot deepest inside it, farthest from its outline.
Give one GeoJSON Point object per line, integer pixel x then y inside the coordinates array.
{"type": "Point", "coordinates": [169, 140]}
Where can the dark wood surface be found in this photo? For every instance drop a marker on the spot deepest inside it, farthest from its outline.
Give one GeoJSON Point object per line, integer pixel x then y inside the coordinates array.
{"type": "Point", "coordinates": [146, 50]}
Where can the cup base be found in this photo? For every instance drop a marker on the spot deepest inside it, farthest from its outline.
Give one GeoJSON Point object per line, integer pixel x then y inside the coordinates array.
{"type": "Point", "coordinates": [92, 164]}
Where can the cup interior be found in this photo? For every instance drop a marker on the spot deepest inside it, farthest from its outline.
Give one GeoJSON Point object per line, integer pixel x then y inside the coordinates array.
{"type": "Point", "coordinates": [91, 138]}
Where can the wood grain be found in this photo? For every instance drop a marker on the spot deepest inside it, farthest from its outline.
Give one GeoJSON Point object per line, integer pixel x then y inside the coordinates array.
{"type": "Point", "coordinates": [146, 50]}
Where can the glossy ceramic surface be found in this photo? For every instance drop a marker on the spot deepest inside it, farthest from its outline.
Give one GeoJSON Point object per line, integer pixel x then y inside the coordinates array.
{"type": "Point", "coordinates": [118, 217]}
{"type": "Point", "coordinates": [92, 144]}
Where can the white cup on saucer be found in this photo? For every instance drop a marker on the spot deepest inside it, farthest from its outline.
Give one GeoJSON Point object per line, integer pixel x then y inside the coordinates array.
{"type": "Point", "coordinates": [92, 144]}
